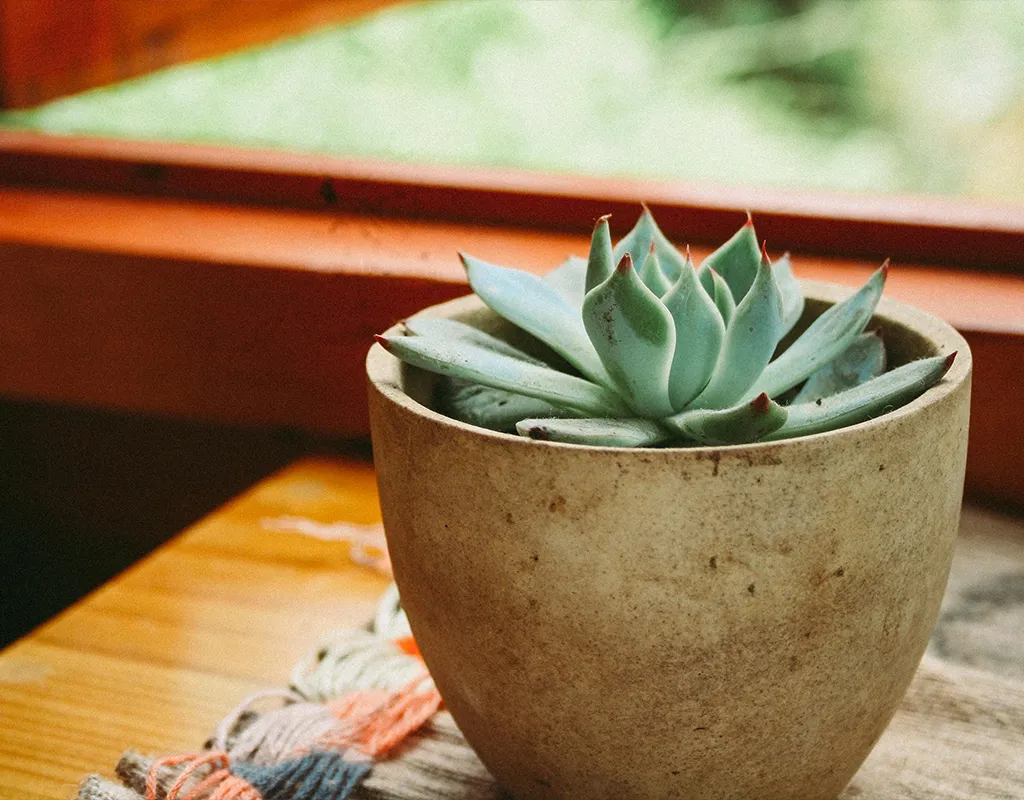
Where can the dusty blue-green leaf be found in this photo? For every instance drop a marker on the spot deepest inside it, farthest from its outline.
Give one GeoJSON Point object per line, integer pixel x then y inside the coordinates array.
{"type": "Point", "coordinates": [569, 279]}
{"type": "Point", "coordinates": [827, 337]}
{"type": "Point", "coordinates": [652, 275]}
{"type": "Point", "coordinates": [724, 301]}
{"type": "Point", "coordinates": [792, 294]}
{"type": "Point", "coordinates": [699, 334]}
{"type": "Point", "coordinates": [736, 261]}
{"type": "Point", "coordinates": [596, 432]}
{"type": "Point", "coordinates": [866, 401]}
{"type": "Point", "coordinates": [536, 307]}
{"type": "Point", "coordinates": [750, 340]}
{"type": "Point", "coordinates": [859, 363]}
{"type": "Point", "coordinates": [480, 365]}
{"type": "Point", "coordinates": [746, 422]}
{"type": "Point", "coordinates": [599, 261]}
{"type": "Point", "coordinates": [496, 409]}
{"type": "Point", "coordinates": [456, 332]}
{"type": "Point", "coordinates": [635, 337]}
{"type": "Point", "coordinates": [638, 244]}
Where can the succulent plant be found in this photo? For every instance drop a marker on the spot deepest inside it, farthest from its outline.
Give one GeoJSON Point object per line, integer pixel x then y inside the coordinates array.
{"type": "Point", "coordinates": [647, 349]}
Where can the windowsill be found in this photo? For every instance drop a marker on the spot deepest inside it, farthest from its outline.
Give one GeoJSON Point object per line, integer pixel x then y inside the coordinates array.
{"type": "Point", "coordinates": [258, 313]}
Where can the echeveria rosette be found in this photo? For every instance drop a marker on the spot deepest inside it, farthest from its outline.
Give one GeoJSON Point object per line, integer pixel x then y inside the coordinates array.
{"type": "Point", "coordinates": [653, 350]}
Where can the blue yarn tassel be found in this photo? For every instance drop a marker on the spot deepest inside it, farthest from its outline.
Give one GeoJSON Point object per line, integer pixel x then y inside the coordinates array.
{"type": "Point", "coordinates": [319, 775]}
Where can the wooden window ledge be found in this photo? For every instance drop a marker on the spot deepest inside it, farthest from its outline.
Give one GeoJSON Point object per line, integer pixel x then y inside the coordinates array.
{"type": "Point", "coordinates": [247, 302]}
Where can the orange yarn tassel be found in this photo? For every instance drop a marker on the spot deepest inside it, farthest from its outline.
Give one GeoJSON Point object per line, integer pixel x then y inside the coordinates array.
{"type": "Point", "coordinates": [217, 760]}
{"type": "Point", "coordinates": [375, 721]}
{"type": "Point", "coordinates": [408, 646]}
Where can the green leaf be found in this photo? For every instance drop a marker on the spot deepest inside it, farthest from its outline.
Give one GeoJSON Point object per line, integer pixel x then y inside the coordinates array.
{"type": "Point", "coordinates": [638, 244]}
{"type": "Point", "coordinates": [496, 409]}
{"type": "Point", "coordinates": [596, 432]}
{"type": "Point", "coordinates": [536, 307]}
{"type": "Point", "coordinates": [599, 262]}
{"type": "Point", "coordinates": [699, 334]}
{"type": "Point", "coordinates": [859, 363]}
{"type": "Point", "coordinates": [724, 301]}
{"type": "Point", "coordinates": [792, 294]}
{"type": "Point", "coordinates": [878, 396]}
{"type": "Point", "coordinates": [635, 337]}
{"type": "Point", "coordinates": [568, 279]}
{"type": "Point", "coordinates": [827, 337]}
{"type": "Point", "coordinates": [652, 276]}
{"type": "Point", "coordinates": [456, 332]}
{"type": "Point", "coordinates": [750, 340]}
{"type": "Point", "coordinates": [746, 422]}
{"type": "Point", "coordinates": [736, 261]}
{"type": "Point", "coordinates": [482, 365]}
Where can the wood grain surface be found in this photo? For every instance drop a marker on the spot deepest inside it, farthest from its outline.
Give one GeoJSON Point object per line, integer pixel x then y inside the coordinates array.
{"type": "Point", "coordinates": [153, 659]}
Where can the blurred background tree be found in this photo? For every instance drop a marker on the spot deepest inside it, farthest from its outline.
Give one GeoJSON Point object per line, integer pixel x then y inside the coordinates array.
{"type": "Point", "coordinates": [874, 95]}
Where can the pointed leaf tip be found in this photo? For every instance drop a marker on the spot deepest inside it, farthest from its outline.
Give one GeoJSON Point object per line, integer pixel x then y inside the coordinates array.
{"type": "Point", "coordinates": [625, 264]}
{"type": "Point", "coordinates": [761, 403]}
{"type": "Point", "coordinates": [750, 220]}
{"type": "Point", "coordinates": [540, 433]}
{"type": "Point", "coordinates": [949, 361]}
{"type": "Point", "coordinates": [383, 342]}
{"type": "Point", "coordinates": [603, 218]}
{"type": "Point", "coordinates": [885, 269]}
{"type": "Point", "coordinates": [764, 254]}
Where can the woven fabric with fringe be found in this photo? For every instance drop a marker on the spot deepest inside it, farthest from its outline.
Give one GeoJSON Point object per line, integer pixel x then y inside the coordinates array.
{"type": "Point", "coordinates": [362, 719]}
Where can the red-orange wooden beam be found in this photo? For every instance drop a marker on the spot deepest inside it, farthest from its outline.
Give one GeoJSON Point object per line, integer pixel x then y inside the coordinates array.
{"type": "Point", "coordinates": [50, 48]}
{"type": "Point", "coordinates": [943, 231]}
{"type": "Point", "coordinates": [262, 316]}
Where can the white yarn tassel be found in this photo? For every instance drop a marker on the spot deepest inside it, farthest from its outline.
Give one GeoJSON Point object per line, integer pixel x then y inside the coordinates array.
{"type": "Point", "coordinates": [390, 621]}
{"type": "Point", "coordinates": [349, 661]}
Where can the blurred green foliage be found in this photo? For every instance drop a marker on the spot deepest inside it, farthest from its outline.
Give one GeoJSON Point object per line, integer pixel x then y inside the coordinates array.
{"type": "Point", "coordinates": [873, 95]}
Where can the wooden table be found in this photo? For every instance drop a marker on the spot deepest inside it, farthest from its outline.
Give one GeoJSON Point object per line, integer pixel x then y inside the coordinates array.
{"type": "Point", "coordinates": [154, 658]}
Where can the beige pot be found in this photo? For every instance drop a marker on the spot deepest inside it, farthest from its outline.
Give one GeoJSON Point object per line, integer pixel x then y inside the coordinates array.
{"type": "Point", "coordinates": [734, 622]}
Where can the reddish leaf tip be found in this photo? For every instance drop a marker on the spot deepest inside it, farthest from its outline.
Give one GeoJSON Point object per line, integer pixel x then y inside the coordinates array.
{"type": "Point", "coordinates": [949, 360]}
{"type": "Point", "coordinates": [885, 269]}
{"type": "Point", "coordinates": [382, 341]}
{"type": "Point", "coordinates": [625, 264]}
{"type": "Point", "coordinates": [764, 254]}
{"type": "Point", "coordinates": [878, 331]}
{"type": "Point", "coordinates": [652, 249]}
{"type": "Point", "coordinates": [750, 220]}
{"type": "Point", "coordinates": [761, 403]}
{"type": "Point", "coordinates": [538, 432]}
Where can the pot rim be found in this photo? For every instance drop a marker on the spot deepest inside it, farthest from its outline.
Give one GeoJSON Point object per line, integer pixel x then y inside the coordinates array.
{"type": "Point", "coordinates": [384, 372]}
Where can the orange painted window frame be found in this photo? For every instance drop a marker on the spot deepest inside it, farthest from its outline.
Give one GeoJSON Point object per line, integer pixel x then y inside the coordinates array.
{"type": "Point", "coordinates": [243, 286]}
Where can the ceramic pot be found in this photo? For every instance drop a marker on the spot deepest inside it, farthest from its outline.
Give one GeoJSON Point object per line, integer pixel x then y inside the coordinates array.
{"type": "Point", "coordinates": [731, 622]}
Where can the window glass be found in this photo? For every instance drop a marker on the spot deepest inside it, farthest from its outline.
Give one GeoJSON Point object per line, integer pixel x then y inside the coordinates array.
{"type": "Point", "coordinates": [878, 96]}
